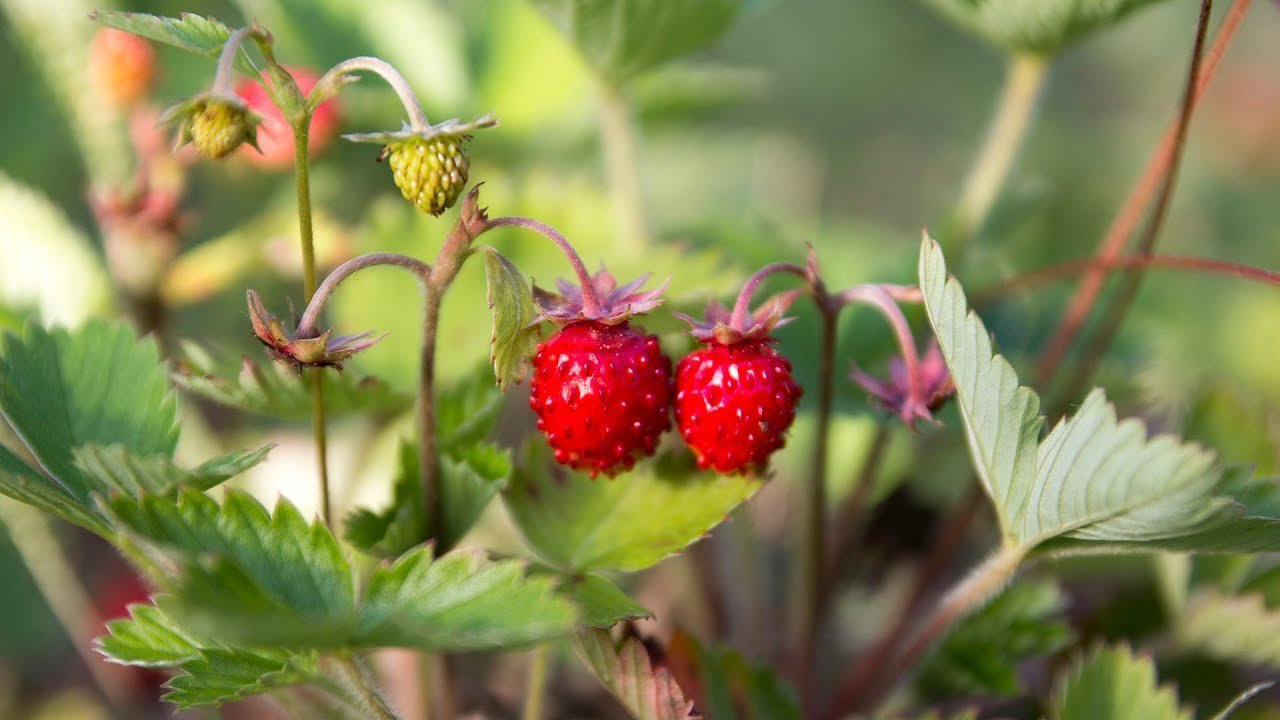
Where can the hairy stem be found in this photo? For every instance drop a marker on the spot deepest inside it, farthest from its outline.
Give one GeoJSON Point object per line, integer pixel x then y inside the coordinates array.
{"type": "Point", "coordinates": [618, 138]}
{"type": "Point", "coordinates": [537, 687]}
{"type": "Point", "coordinates": [417, 119]}
{"type": "Point", "coordinates": [742, 306]}
{"type": "Point", "coordinates": [877, 297]}
{"type": "Point", "coordinates": [225, 72]}
{"type": "Point", "coordinates": [1023, 82]}
{"type": "Point", "coordinates": [590, 301]}
{"type": "Point", "coordinates": [308, 325]}
{"type": "Point", "coordinates": [1130, 213]}
{"type": "Point", "coordinates": [428, 464]}
{"type": "Point", "coordinates": [358, 687]}
{"type": "Point", "coordinates": [1130, 283]}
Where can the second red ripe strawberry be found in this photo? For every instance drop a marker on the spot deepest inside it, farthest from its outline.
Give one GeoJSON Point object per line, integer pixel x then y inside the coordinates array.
{"type": "Point", "coordinates": [734, 403]}
{"type": "Point", "coordinates": [602, 395]}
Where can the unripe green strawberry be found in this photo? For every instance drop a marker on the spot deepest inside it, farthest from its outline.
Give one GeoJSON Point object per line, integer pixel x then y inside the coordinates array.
{"type": "Point", "coordinates": [219, 127]}
{"type": "Point", "coordinates": [430, 173]}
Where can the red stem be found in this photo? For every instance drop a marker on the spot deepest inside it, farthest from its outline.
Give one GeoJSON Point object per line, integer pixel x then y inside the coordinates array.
{"type": "Point", "coordinates": [741, 308]}
{"type": "Point", "coordinates": [877, 297]}
{"type": "Point", "coordinates": [590, 301]}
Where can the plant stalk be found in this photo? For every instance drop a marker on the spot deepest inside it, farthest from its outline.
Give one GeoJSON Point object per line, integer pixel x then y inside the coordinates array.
{"type": "Point", "coordinates": [618, 138]}
{"type": "Point", "coordinates": [359, 688]}
{"type": "Point", "coordinates": [536, 690]}
{"type": "Point", "coordinates": [417, 118]}
{"type": "Point", "coordinates": [1024, 80]}
{"type": "Point", "coordinates": [590, 300]}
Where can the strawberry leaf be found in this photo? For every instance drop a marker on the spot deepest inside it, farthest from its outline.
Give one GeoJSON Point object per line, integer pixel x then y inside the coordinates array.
{"type": "Point", "coordinates": [515, 318]}
{"type": "Point", "coordinates": [626, 669]}
{"type": "Point", "coordinates": [1111, 683]}
{"type": "Point", "coordinates": [193, 33]}
{"type": "Point", "coordinates": [602, 603]}
{"type": "Point", "coordinates": [1036, 26]}
{"type": "Point", "coordinates": [629, 523]}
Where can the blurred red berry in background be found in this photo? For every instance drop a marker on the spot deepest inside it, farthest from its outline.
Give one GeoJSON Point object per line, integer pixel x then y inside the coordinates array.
{"type": "Point", "coordinates": [275, 137]}
{"type": "Point", "coordinates": [122, 66]}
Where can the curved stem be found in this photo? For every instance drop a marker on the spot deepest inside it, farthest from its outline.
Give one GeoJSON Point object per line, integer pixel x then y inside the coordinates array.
{"type": "Point", "coordinates": [618, 138]}
{"type": "Point", "coordinates": [537, 687]}
{"type": "Point", "coordinates": [225, 72]}
{"type": "Point", "coordinates": [590, 301]}
{"type": "Point", "coordinates": [742, 306]}
{"type": "Point", "coordinates": [1128, 263]}
{"type": "Point", "coordinates": [1023, 82]}
{"type": "Point", "coordinates": [1130, 213]}
{"type": "Point", "coordinates": [417, 119]}
{"type": "Point", "coordinates": [875, 296]}
{"type": "Point", "coordinates": [308, 325]}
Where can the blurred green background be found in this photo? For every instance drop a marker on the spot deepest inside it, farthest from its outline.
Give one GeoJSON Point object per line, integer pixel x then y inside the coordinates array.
{"type": "Point", "coordinates": [846, 125]}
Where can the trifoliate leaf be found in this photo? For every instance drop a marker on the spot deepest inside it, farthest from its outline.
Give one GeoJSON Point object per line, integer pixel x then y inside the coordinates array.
{"type": "Point", "coordinates": [1036, 26]}
{"type": "Point", "coordinates": [276, 391]}
{"type": "Point", "coordinates": [115, 469]}
{"type": "Point", "coordinates": [730, 687]}
{"type": "Point", "coordinates": [193, 33]}
{"type": "Point", "coordinates": [602, 603]}
{"type": "Point", "coordinates": [626, 669]}
{"type": "Point", "coordinates": [621, 40]}
{"type": "Point", "coordinates": [515, 318]}
{"type": "Point", "coordinates": [629, 522]}
{"type": "Point", "coordinates": [1094, 483]}
{"type": "Point", "coordinates": [246, 576]}
{"type": "Point", "coordinates": [1111, 683]}
{"type": "Point", "coordinates": [981, 655]}
{"type": "Point", "coordinates": [460, 602]}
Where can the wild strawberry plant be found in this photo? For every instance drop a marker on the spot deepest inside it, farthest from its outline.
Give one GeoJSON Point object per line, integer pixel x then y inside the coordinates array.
{"type": "Point", "coordinates": [247, 600]}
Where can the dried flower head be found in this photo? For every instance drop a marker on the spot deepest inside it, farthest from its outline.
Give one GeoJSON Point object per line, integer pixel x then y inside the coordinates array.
{"type": "Point", "coordinates": [304, 350]}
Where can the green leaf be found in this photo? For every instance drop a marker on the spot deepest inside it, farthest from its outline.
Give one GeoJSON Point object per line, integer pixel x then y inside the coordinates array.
{"type": "Point", "coordinates": [626, 669]}
{"type": "Point", "coordinates": [622, 39]}
{"type": "Point", "coordinates": [148, 638]}
{"type": "Point", "coordinates": [244, 576]}
{"type": "Point", "coordinates": [515, 318]}
{"type": "Point", "coordinates": [116, 469]}
{"type": "Point", "coordinates": [1036, 26]}
{"type": "Point", "coordinates": [470, 476]}
{"type": "Point", "coordinates": [630, 522]}
{"type": "Point", "coordinates": [602, 603]}
{"type": "Point", "coordinates": [193, 33]}
{"type": "Point", "coordinates": [1114, 684]}
{"type": "Point", "coordinates": [98, 386]}
{"type": "Point", "coordinates": [1238, 628]}
{"type": "Point", "coordinates": [732, 688]}
{"type": "Point", "coordinates": [460, 602]}
{"type": "Point", "coordinates": [468, 411]}
{"type": "Point", "coordinates": [24, 484]}
{"type": "Point", "coordinates": [981, 655]}
{"type": "Point", "coordinates": [1094, 483]}
{"type": "Point", "coordinates": [276, 391]}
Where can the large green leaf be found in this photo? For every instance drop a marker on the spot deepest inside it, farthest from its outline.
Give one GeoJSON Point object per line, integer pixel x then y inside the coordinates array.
{"type": "Point", "coordinates": [243, 575]}
{"type": "Point", "coordinates": [1094, 483]}
{"type": "Point", "coordinates": [276, 391]}
{"type": "Point", "coordinates": [1036, 26]}
{"type": "Point", "coordinates": [981, 655]}
{"type": "Point", "coordinates": [626, 669]}
{"type": "Point", "coordinates": [1114, 684]}
{"type": "Point", "coordinates": [622, 39]}
{"type": "Point", "coordinates": [630, 522]}
{"type": "Point", "coordinates": [193, 33]}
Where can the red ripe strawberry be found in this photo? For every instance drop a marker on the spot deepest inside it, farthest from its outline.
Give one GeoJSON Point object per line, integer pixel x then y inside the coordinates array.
{"type": "Point", "coordinates": [275, 137]}
{"type": "Point", "coordinates": [601, 388]}
{"type": "Point", "coordinates": [735, 397]}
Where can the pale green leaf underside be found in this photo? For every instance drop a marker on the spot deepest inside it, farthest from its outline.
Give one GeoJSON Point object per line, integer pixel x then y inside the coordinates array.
{"type": "Point", "coordinates": [626, 670]}
{"type": "Point", "coordinates": [515, 318]}
{"type": "Point", "coordinates": [1114, 684]}
{"type": "Point", "coordinates": [1093, 482]}
{"type": "Point", "coordinates": [193, 33]}
{"type": "Point", "coordinates": [1036, 26]}
{"type": "Point", "coordinates": [629, 522]}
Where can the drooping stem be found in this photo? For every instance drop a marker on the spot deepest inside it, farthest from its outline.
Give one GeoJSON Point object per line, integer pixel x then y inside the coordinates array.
{"type": "Point", "coordinates": [536, 690]}
{"type": "Point", "coordinates": [590, 301]}
{"type": "Point", "coordinates": [1130, 213]}
{"type": "Point", "coordinates": [742, 306]}
{"type": "Point", "coordinates": [1130, 283]}
{"type": "Point", "coordinates": [1126, 263]}
{"type": "Point", "coordinates": [618, 138]}
{"type": "Point", "coordinates": [877, 297]}
{"type": "Point", "coordinates": [308, 325]}
{"type": "Point", "coordinates": [225, 72]}
{"type": "Point", "coordinates": [1023, 82]}
{"type": "Point", "coordinates": [417, 119]}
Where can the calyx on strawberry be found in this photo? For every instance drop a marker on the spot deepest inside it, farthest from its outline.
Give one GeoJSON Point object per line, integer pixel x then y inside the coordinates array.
{"type": "Point", "coordinates": [601, 388]}
{"type": "Point", "coordinates": [735, 396]}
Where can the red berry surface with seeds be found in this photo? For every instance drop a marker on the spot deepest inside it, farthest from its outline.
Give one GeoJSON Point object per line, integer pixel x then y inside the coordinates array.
{"type": "Point", "coordinates": [734, 404]}
{"type": "Point", "coordinates": [602, 394]}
